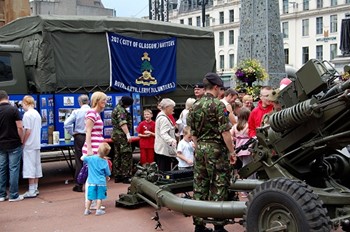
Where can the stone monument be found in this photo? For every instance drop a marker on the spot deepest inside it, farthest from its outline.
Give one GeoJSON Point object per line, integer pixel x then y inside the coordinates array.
{"type": "Point", "coordinates": [344, 59]}
{"type": "Point", "coordinates": [261, 38]}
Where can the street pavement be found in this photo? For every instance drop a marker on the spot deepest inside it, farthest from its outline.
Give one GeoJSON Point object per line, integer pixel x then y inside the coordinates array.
{"type": "Point", "coordinates": [59, 209]}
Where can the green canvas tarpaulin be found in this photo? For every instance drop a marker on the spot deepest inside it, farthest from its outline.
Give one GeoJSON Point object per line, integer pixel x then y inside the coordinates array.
{"type": "Point", "coordinates": [71, 52]}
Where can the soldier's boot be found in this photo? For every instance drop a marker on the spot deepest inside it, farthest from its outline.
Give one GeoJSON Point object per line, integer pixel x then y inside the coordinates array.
{"type": "Point", "coordinates": [219, 228]}
{"type": "Point", "coordinates": [201, 228]}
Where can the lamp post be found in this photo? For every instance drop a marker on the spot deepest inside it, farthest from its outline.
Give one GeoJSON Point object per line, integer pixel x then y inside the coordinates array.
{"type": "Point", "coordinates": [203, 3]}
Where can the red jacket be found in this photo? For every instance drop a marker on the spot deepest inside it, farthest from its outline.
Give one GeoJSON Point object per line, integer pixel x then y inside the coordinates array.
{"type": "Point", "coordinates": [256, 116]}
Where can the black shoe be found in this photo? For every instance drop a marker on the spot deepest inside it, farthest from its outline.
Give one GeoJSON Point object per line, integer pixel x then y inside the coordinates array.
{"type": "Point", "coordinates": [219, 229]}
{"type": "Point", "coordinates": [118, 179]}
{"type": "Point", "coordinates": [202, 229]}
{"type": "Point", "coordinates": [126, 180]}
{"type": "Point", "coordinates": [78, 188]}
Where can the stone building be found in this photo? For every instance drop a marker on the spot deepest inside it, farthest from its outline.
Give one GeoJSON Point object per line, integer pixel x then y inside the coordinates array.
{"type": "Point", "coordinates": [310, 28]}
{"type": "Point", "coordinates": [69, 7]}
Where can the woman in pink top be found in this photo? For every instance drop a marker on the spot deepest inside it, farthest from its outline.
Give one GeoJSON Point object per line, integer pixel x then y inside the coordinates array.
{"type": "Point", "coordinates": [94, 123]}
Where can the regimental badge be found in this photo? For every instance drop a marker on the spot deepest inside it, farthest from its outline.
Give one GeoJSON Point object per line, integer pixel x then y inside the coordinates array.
{"type": "Point", "coordinates": [146, 70]}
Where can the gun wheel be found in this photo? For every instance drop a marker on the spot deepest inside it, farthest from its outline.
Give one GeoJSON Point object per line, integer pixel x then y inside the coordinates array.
{"type": "Point", "coordinates": [285, 205]}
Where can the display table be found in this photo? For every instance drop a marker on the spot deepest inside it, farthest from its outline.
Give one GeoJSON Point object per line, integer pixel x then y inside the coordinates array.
{"type": "Point", "coordinates": [65, 147]}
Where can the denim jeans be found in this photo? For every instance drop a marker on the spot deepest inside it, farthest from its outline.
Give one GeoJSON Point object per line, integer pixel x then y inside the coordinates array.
{"type": "Point", "coordinates": [10, 161]}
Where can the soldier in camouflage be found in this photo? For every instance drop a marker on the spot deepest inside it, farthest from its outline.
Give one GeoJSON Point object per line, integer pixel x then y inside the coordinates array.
{"type": "Point", "coordinates": [122, 124]}
{"type": "Point", "coordinates": [210, 126]}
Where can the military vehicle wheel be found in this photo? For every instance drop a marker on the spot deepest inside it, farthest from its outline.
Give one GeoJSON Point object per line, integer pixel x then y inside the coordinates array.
{"type": "Point", "coordinates": [285, 205]}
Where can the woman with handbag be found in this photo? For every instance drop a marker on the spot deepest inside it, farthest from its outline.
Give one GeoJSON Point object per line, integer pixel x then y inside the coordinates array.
{"type": "Point", "coordinates": [165, 141]}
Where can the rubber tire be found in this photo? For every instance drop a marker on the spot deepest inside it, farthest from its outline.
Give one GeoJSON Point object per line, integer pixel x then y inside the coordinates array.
{"type": "Point", "coordinates": [285, 202]}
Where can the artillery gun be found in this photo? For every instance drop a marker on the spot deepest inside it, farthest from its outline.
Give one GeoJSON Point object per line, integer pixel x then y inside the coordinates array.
{"type": "Point", "coordinates": [300, 158]}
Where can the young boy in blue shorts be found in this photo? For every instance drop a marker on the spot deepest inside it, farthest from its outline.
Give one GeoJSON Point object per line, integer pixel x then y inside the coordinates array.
{"type": "Point", "coordinates": [98, 175]}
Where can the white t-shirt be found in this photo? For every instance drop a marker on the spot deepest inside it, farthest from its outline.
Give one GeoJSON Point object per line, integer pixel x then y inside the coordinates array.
{"type": "Point", "coordinates": [187, 150]}
{"type": "Point", "coordinates": [224, 101]}
{"type": "Point", "coordinates": [32, 121]}
{"type": "Point", "coordinates": [182, 121]}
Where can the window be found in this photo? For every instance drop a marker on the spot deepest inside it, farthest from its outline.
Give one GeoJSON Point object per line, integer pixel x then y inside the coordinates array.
{"type": "Point", "coordinates": [305, 27]}
{"type": "Point", "coordinates": [286, 55]}
{"type": "Point", "coordinates": [207, 21]}
{"type": "Point", "coordinates": [305, 57]}
{"type": "Point", "coordinates": [198, 21]}
{"type": "Point", "coordinates": [319, 52]}
{"type": "Point", "coordinates": [232, 60]}
{"type": "Point", "coordinates": [181, 21]}
{"type": "Point", "coordinates": [334, 2]}
{"type": "Point", "coordinates": [285, 29]}
{"type": "Point", "coordinates": [231, 37]}
{"type": "Point", "coordinates": [221, 38]}
{"type": "Point", "coordinates": [285, 6]}
{"type": "Point", "coordinates": [5, 68]}
{"type": "Point", "coordinates": [221, 17]}
{"type": "Point", "coordinates": [222, 62]}
{"type": "Point", "coordinates": [305, 4]}
{"type": "Point", "coordinates": [333, 50]}
{"type": "Point", "coordinates": [334, 23]}
{"type": "Point", "coordinates": [190, 21]}
{"type": "Point", "coordinates": [347, 1]}
{"type": "Point", "coordinates": [319, 25]}
{"type": "Point", "coordinates": [319, 4]}
{"type": "Point", "coordinates": [231, 16]}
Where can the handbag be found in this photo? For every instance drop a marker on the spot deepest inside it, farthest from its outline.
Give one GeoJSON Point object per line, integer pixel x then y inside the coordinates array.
{"type": "Point", "coordinates": [83, 174]}
{"type": "Point", "coordinates": [171, 150]}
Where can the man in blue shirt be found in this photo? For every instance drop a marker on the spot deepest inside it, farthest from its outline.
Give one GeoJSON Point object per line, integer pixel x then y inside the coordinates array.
{"type": "Point", "coordinates": [75, 126]}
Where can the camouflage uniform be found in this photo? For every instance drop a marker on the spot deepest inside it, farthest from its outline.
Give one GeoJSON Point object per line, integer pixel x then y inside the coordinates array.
{"type": "Point", "coordinates": [122, 162]}
{"type": "Point", "coordinates": [208, 119]}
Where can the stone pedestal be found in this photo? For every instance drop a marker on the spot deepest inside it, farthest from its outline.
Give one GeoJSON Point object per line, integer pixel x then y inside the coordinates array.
{"type": "Point", "coordinates": [339, 63]}
{"type": "Point", "coordinates": [261, 38]}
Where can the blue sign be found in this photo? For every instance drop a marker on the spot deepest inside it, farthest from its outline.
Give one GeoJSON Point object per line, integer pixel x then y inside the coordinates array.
{"type": "Point", "coordinates": [147, 67]}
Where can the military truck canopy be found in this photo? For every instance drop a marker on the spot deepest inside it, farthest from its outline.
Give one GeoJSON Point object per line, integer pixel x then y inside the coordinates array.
{"type": "Point", "coordinates": [71, 52]}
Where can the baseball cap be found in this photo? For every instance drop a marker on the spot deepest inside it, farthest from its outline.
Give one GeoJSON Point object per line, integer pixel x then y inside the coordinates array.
{"type": "Point", "coordinates": [284, 82]}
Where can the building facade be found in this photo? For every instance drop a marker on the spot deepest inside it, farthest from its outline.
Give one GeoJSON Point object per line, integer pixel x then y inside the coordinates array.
{"type": "Point", "coordinates": [310, 28]}
{"type": "Point", "coordinates": [69, 7]}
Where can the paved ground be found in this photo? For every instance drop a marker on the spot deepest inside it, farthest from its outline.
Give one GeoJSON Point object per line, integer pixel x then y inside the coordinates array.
{"type": "Point", "coordinates": [59, 209]}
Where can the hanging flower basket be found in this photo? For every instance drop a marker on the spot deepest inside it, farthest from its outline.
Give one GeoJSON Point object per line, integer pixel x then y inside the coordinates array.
{"type": "Point", "coordinates": [249, 71]}
{"type": "Point", "coordinates": [249, 76]}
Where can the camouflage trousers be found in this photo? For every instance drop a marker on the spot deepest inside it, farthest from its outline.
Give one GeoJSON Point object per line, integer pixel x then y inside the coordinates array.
{"type": "Point", "coordinates": [122, 162]}
{"type": "Point", "coordinates": [211, 174]}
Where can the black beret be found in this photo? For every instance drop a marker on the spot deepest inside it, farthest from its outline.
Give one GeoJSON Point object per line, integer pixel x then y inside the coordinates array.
{"type": "Point", "coordinates": [127, 101]}
{"type": "Point", "coordinates": [214, 79]}
{"type": "Point", "coordinates": [199, 85]}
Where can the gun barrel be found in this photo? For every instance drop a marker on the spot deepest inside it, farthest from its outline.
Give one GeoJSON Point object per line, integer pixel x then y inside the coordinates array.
{"type": "Point", "coordinates": [214, 209]}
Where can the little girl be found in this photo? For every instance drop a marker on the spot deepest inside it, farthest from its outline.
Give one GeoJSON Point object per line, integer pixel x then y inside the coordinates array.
{"type": "Point", "coordinates": [239, 134]}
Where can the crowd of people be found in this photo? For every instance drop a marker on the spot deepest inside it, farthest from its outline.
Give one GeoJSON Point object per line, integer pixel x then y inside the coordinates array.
{"type": "Point", "coordinates": [202, 139]}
